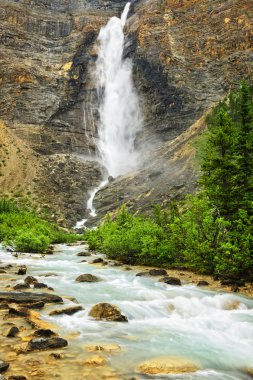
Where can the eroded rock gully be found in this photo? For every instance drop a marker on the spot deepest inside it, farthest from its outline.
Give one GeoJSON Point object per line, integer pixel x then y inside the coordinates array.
{"type": "Point", "coordinates": [187, 55]}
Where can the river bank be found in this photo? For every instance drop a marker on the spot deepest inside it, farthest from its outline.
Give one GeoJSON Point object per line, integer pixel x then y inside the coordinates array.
{"type": "Point", "coordinates": [203, 280]}
{"type": "Point", "coordinates": [162, 319]}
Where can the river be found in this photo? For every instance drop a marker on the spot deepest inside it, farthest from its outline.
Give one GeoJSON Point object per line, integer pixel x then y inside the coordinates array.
{"type": "Point", "coordinates": [162, 319]}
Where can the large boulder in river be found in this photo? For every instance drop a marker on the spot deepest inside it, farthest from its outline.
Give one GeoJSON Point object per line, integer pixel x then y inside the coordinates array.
{"type": "Point", "coordinates": [87, 277]}
{"type": "Point", "coordinates": [167, 364]}
{"type": "Point", "coordinates": [107, 312]}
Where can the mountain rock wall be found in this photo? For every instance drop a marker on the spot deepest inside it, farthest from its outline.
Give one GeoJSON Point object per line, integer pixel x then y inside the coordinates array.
{"type": "Point", "coordinates": [187, 55]}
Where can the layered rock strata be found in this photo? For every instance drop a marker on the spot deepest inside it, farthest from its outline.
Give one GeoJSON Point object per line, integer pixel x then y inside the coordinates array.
{"type": "Point", "coordinates": [187, 55]}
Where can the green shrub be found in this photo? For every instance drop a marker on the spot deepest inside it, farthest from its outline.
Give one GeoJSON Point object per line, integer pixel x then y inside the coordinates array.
{"type": "Point", "coordinates": [31, 241]}
{"type": "Point", "coordinates": [27, 232]}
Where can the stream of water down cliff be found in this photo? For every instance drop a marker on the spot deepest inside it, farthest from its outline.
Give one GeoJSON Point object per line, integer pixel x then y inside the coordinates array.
{"type": "Point", "coordinates": [119, 112]}
{"type": "Point", "coordinates": [162, 319]}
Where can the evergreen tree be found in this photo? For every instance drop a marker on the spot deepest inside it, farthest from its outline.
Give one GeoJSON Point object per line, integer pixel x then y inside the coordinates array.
{"type": "Point", "coordinates": [219, 163]}
{"type": "Point", "coordinates": [244, 147]}
{"type": "Point", "coordinates": [227, 165]}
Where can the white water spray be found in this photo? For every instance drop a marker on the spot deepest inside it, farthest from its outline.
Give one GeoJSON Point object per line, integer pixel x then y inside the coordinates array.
{"type": "Point", "coordinates": [120, 116]}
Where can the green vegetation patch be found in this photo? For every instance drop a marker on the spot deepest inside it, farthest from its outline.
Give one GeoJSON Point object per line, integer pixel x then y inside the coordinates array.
{"type": "Point", "coordinates": [25, 231]}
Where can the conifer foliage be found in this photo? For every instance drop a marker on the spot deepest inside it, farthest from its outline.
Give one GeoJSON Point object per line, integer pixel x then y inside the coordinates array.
{"type": "Point", "coordinates": [227, 166]}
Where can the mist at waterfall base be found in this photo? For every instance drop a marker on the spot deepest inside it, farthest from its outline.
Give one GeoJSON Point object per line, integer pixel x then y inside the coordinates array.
{"type": "Point", "coordinates": [162, 319]}
{"type": "Point", "coordinates": [119, 111]}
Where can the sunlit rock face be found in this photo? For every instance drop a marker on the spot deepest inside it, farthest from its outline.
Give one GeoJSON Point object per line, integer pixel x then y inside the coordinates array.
{"type": "Point", "coordinates": [45, 53]}
{"type": "Point", "coordinates": [186, 56]}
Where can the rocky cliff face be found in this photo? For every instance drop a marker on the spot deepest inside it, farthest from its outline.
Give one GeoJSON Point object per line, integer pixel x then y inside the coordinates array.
{"type": "Point", "coordinates": [187, 55]}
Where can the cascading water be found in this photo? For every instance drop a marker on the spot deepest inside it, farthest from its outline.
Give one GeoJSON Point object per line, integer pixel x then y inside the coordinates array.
{"type": "Point", "coordinates": [119, 111]}
{"type": "Point", "coordinates": [120, 116]}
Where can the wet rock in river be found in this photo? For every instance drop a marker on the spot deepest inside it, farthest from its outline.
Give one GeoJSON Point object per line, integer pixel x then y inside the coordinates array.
{"type": "Point", "coordinates": [171, 280]}
{"type": "Point", "coordinates": [83, 254]}
{"type": "Point", "coordinates": [40, 285]}
{"type": "Point", "coordinates": [3, 366]}
{"type": "Point", "coordinates": [46, 343]}
{"type": "Point", "coordinates": [34, 319]}
{"type": "Point", "coordinates": [98, 260]}
{"type": "Point", "coordinates": [22, 270]}
{"type": "Point", "coordinates": [87, 277]}
{"type": "Point", "coordinates": [249, 371]}
{"type": "Point", "coordinates": [49, 274]}
{"type": "Point", "coordinates": [95, 360]}
{"type": "Point", "coordinates": [142, 274]}
{"type": "Point", "coordinates": [108, 312]}
{"type": "Point", "coordinates": [232, 305]}
{"type": "Point", "coordinates": [44, 333]}
{"type": "Point", "coordinates": [105, 347]}
{"type": "Point", "coordinates": [12, 332]}
{"type": "Point", "coordinates": [68, 311]}
{"type": "Point", "coordinates": [21, 286]}
{"type": "Point", "coordinates": [56, 356]}
{"type": "Point", "coordinates": [6, 266]}
{"type": "Point", "coordinates": [157, 272]}
{"type": "Point", "coordinates": [116, 264]}
{"type": "Point", "coordinates": [27, 297]}
{"type": "Point", "coordinates": [166, 365]}
{"type": "Point", "coordinates": [203, 283]}
{"type": "Point", "coordinates": [30, 280]}
{"type": "Point", "coordinates": [50, 250]}
{"type": "Point", "coordinates": [35, 305]}
{"type": "Point", "coordinates": [17, 311]}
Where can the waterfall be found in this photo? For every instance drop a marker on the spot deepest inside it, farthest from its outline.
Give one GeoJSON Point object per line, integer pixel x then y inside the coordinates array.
{"type": "Point", "coordinates": [119, 111]}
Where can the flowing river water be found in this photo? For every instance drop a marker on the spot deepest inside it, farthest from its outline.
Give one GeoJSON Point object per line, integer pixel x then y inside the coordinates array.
{"type": "Point", "coordinates": [162, 319]}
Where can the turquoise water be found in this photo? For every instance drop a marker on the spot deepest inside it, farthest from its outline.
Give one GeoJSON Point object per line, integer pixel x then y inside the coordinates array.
{"type": "Point", "coordinates": [162, 319]}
